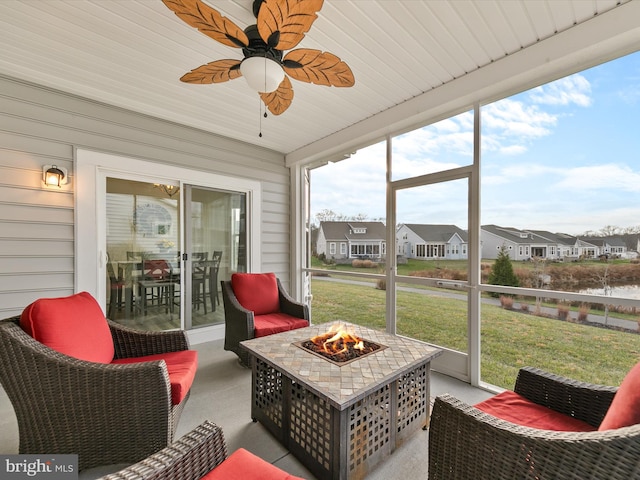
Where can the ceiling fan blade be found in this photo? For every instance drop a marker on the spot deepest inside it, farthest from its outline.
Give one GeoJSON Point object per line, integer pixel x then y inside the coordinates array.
{"type": "Point", "coordinates": [315, 66]}
{"type": "Point", "coordinates": [209, 21]}
{"type": "Point", "coordinates": [283, 23]}
{"type": "Point", "coordinates": [279, 100]}
{"type": "Point", "coordinates": [214, 72]}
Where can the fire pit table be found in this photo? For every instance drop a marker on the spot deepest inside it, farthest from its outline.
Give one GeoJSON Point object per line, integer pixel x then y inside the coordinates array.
{"type": "Point", "coordinates": [340, 420]}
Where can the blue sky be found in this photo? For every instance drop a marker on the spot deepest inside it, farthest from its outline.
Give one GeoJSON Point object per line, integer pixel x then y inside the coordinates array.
{"type": "Point", "coordinates": [564, 156]}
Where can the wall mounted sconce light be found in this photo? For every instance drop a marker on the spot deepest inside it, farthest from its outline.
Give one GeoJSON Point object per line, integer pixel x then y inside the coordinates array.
{"type": "Point", "coordinates": [54, 176]}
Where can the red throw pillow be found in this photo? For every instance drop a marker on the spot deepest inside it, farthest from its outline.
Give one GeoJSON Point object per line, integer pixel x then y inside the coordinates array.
{"type": "Point", "coordinates": [257, 292]}
{"type": "Point", "coordinates": [73, 325]}
{"type": "Point", "coordinates": [624, 410]}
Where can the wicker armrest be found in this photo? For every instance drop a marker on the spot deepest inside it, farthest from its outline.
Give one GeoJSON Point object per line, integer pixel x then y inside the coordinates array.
{"type": "Point", "coordinates": [289, 306]}
{"type": "Point", "coordinates": [241, 319]}
{"type": "Point", "coordinates": [466, 443]}
{"type": "Point", "coordinates": [137, 343]}
{"type": "Point", "coordinates": [233, 300]}
{"type": "Point", "coordinates": [585, 401]}
{"type": "Point", "coordinates": [189, 458]}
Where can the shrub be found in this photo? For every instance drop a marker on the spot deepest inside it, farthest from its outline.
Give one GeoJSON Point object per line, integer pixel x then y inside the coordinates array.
{"type": "Point", "coordinates": [444, 273]}
{"type": "Point", "coordinates": [502, 271]}
{"type": "Point", "coordinates": [381, 284]}
{"type": "Point", "coordinates": [357, 263]}
{"type": "Point", "coordinates": [563, 311]}
{"type": "Point", "coordinates": [583, 313]}
{"type": "Point", "coordinates": [524, 307]}
{"type": "Point", "coordinates": [506, 302]}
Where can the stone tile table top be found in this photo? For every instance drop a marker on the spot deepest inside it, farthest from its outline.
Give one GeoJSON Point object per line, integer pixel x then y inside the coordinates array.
{"type": "Point", "coordinates": [346, 384]}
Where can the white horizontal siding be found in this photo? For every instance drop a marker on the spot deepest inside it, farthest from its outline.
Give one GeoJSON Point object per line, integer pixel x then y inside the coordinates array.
{"type": "Point", "coordinates": [39, 126]}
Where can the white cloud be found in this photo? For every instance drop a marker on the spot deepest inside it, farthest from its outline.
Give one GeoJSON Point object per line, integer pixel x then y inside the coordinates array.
{"type": "Point", "coordinates": [450, 135]}
{"type": "Point", "coordinates": [512, 150]}
{"type": "Point", "coordinates": [596, 177]}
{"type": "Point", "coordinates": [574, 89]}
{"type": "Point", "coordinates": [512, 120]}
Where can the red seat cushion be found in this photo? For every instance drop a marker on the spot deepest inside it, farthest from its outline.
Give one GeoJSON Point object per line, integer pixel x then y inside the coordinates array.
{"type": "Point", "coordinates": [264, 325]}
{"type": "Point", "coordinates": [244, 465]}
{"type": "Point", "coordinates": [624, 410]}
{"type": "Point", "coordinates": [516, 409]}
{"type": "Point", "coordinates": [73, 325]}
{"type": "Point", "coordinates": [181, 366]}
{"type": "Point", "coordinates": [257, 292]}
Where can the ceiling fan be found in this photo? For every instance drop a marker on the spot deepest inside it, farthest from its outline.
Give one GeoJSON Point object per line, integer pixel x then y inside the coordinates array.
{"type": "Point", "coordinates": [280, 26]}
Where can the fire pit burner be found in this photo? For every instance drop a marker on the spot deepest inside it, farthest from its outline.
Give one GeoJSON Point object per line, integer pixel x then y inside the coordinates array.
{"type": "Point", "coordinates": [350, 354]}
{"type": "Point", "coordinates": [339, 345]}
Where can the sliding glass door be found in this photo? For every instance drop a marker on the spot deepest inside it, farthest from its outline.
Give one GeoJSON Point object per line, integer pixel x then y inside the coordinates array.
{"type": "Point", "coordinates": [143, 231]}
{"type": "Point", "coordinates": [215, 247]}
{"type": "Point", "coordinates": [166, 250]}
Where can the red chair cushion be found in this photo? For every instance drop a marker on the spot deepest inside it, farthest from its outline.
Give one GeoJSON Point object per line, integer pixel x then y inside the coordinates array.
{"type": "Point", "coordinates": [516, 409]}
{"type": "Point", "coordinates": [624, 410]}
{"type": "Point", "coordinates": [244, 465]}
{"type": "Point", "coordinates": [73, 325]}
{"type": "Point", "coordinates": [264, 325]}
{"type": "Point", "coordinates": [181, 366]}
{"type": "Point", "coordinates": [257, 292]}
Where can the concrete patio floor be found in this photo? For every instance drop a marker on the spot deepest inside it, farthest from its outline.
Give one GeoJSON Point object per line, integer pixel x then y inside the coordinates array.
{"type": "Point", "coordinates": [221, 394]}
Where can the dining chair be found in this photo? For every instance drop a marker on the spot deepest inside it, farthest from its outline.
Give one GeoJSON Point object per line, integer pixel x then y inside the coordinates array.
{"type": "Point", "coordinates": [157, 278]}
{"type": "Point", "coordinates": [213, 278]}
{"type": "Point", "coordinates": [199, 269]}
{"type": "Point", "coordinates": [116, 289]}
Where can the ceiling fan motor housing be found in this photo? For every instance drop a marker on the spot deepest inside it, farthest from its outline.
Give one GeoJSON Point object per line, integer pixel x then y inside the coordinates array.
{"type": "Point", "coordinates": [258, 47]}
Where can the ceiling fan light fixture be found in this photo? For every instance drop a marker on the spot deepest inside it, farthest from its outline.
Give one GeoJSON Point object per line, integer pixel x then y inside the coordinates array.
{"type": "Point", "coordinates": [262, 74]}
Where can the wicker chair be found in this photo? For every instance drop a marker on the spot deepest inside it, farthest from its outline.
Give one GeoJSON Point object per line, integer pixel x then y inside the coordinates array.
{"type": "Point", "coordinates": [240, 322]}
{"type": "Point", "coordinates": [105, 413]}
{"type": "Point", "coordinates": [189, 458]}
{"type": "Point", "coordinates": [466, 443]}
{"type": "Point", "coordinates": [201, 454]}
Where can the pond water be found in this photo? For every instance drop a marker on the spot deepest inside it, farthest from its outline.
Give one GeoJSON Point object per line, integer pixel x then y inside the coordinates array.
{"type": "Point", "coordinates": [624, 291]}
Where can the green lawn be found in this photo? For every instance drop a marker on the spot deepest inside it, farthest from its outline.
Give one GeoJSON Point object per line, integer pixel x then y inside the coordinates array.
{"type": "Point", "coordinates": [510, 339]}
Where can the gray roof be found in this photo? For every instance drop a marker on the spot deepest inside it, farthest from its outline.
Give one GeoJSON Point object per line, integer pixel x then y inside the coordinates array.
{"type": "Point", "coordinates": [515, 235]}
{"type": "Point", "coordinates": [559, 238]}
{"type": "Point", "coordinates": [341, 231]}
{"type": "Point", "coordinates": [437, 233]}
{"type": "Point", "coordinates": [602, 241]}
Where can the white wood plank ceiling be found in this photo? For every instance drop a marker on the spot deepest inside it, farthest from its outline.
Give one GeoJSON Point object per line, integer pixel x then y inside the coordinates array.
{"type": "Point", "coordinates": [132, 53]}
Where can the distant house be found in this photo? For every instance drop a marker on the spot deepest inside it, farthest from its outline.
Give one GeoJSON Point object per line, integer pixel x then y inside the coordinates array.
{"type": "Point", "coordinates": [527, 244]}
{"type": "Point", "coordinates": [519, 244]}
{"type": "Point", "coordinates": [345, 241]}
{"type": "Point", "coordinates": [610, 246]}
{"type": "Point", "coordinates": [560, 246]}
{"type": "Point", "coordinates": [432, 241]}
